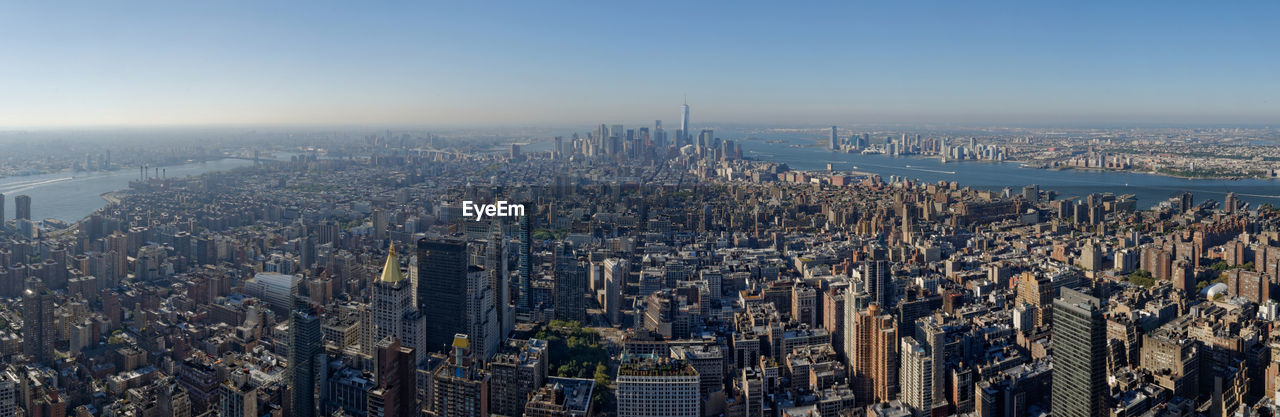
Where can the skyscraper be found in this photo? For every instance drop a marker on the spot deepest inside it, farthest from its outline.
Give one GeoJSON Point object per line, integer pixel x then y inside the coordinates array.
{"type": "Point", "coordinates": [1, 208]}
{"type": "Point", "coordinates": [22, 207]}
{"type": "Point", "coordinates": [1079, 356]}
{"type": "Point", "coordinates": [442, 290]}
{"type": "Point", "coordinates": [570, 285]}
{"type": "Point", "coordinates": [495, 262]}
{"type": "Point", "coordinates": [395, 388]}
{"type": "Point", "coordinates": [38, 329]}
{"type": "Point", "coordinates": [526, 263]}
{"type": "Point", "coordinates": [394, 315]}
{"type": "Point", "coordinates": [516, 372]}
{"type": "Point", "coordinates": [460, 388]}
{"type": "Point", "coordinates": [873, 360]}
{"type": "Point", "coordinates": [875, 278]}
{"type": "Point", "coordinates": [659, 138]}
{"type": "Point", "coordinates": [835, 142]}
{"type": "Point", "coordinates": [481, 315]}
{"type": "Point", "coordinates": [684, 124]}
{"type": "Point", "coordinates": [615, 275]}
{"type": "Point", "coordinates": [917, 375]}
{"type": "Point", "coordinates": [934, 338]}
{"type": "Point", "coordinates": [304, 345]}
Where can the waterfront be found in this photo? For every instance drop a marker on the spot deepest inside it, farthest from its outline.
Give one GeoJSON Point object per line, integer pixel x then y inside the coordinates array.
{"type": "Point", "coordinates": [800, 151]}
{"type": "Point", "coordinates": [796, 151]}
{"type": "Point", "coordinates": [71, 196]}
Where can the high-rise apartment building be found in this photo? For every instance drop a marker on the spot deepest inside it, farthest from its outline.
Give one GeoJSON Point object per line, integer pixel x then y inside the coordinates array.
{"type": "Point", "coordinates": [395, 387]}
{"type": "Point", "coordinates": [916, 376]}
{"type": "Point", "coordinates": [874, 356]}
{"type": "Point", "coordinates": [22, 207]}
{"type": "Point", "coordinates": [38, 328]}
{"type": "Point", "coordinates": [933, 337]}
{"type": "Point", "coordinates": [515, 372]}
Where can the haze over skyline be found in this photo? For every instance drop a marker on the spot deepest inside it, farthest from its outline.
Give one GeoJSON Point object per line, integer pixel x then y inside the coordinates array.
{"type": "Point", "coordinates": [238, 63]}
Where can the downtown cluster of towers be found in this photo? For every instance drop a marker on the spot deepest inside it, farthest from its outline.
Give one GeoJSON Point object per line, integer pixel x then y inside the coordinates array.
{"type": "Point", "coordinates": [615, 142]}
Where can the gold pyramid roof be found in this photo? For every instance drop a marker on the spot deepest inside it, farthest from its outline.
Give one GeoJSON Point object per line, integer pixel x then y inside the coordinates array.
{"type": "Point", "coordinates": [391, 271]}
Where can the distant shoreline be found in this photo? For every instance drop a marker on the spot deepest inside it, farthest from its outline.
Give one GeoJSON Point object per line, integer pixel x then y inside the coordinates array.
{"type": "Point", "coordinates": [1161, 174]}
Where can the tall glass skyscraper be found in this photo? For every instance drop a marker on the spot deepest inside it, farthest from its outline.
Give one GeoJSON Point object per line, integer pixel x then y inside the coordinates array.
{"type": "Point", "coordinates": [684, 123]}
{"type": "Point", "coordinates": [442, 290]}
{"type": "Point", "coordinates": [304, 346]}
{"type": "Point", "coordinates": [1079, 356]}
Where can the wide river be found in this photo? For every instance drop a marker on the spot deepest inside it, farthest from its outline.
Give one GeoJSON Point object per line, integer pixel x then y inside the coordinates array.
{"type": "Point", "coordinates": [797, 151]}
{"type": "Point", "coordinates": [1148, 189]}
{"type": "Point", "coordinates": [72, 196]}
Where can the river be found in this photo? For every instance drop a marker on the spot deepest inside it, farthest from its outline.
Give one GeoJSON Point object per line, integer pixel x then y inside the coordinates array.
{"type": "Point", "coordinates": [1148, 189]}
{"type": "Point", "coordinates": [70, 196]}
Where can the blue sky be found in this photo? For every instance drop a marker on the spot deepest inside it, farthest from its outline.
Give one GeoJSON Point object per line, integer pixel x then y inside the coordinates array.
{"type": "Point", "coordinates": [534, 62]}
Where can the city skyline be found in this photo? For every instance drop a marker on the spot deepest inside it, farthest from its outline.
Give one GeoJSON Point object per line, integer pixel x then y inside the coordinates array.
{"type": "Point", "coordinates": [180, 65]}
{"type": "Point", "coordinates": [428, 209]}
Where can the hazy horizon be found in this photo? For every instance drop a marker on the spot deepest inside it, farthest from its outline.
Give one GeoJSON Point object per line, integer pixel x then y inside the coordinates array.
{"type": "Point", "coordinates": [513, 64]}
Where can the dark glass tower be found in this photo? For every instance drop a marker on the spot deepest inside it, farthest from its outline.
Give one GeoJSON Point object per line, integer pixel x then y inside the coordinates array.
{"type": "Point", "coordinates": [1079, 356]}
{"type": "Point", "coordinates": [304, 346]}
{"type": "Point", "coordinates": [442, 290]}
{"type": "Point", "coordinates": [875, 278]}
